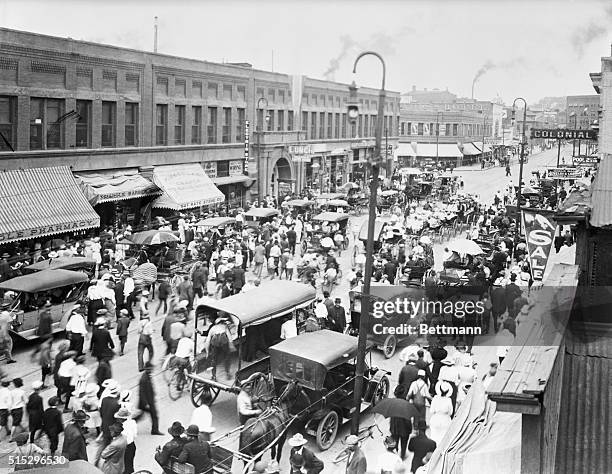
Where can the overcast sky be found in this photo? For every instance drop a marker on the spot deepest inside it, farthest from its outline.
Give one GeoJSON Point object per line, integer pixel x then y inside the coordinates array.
{"type": "Point", "coordinates": [525, 48]}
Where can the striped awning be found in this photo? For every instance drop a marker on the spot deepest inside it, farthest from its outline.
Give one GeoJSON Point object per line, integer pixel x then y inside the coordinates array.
{"type": "Point", "coordinates": [42, 201]}
{"type": "Point", "coordinates": [115, 185]}
{"type": "Point", "coordinates": [469, 149]}
{"type": "Point", "coordinates": [185, 186]}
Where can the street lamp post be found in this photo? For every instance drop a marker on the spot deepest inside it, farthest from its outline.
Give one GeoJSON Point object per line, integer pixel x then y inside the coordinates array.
{"type": "Point", "coordinates": [365, 293]}
{"type": "Point", "coordinates": [573, 114]}
{"type": "Point", "coordinates": [259, 132]}
{"type": "Point", "coordinates": [521, 161]}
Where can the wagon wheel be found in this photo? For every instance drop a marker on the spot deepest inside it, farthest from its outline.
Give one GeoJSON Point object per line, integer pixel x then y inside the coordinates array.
{"type": "Point", "coordinates": [327, 430]}
{"type": "Point", "coordinates": [262, 390]}
{"type": "Point", "coordinates": [382, 390]}
{"type": "Point", "coordinates": [389, 346]}
{"type": "Point", "coordinates": [202, 393]}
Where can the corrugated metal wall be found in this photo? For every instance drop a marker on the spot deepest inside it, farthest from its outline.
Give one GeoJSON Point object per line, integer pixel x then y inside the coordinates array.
{"type": "Point", "coordinates": [584, 443]}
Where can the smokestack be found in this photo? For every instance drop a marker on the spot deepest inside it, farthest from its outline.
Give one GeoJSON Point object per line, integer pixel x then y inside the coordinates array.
{"type": "Point", "coordinates": [473, 84]}
{"type": "Point", "coordinates": [155, 36]}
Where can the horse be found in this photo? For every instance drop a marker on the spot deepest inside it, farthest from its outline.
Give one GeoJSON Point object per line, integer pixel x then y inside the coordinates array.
{"type": "Point", "coordinates": [258, 433]}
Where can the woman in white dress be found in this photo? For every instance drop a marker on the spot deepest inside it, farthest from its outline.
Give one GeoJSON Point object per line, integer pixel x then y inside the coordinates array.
{"type": "Point", "coordinates": [440, 410]}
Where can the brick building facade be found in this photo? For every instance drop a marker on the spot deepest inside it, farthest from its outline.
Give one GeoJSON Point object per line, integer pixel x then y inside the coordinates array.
{"type": "Point", "coordinates": [100, 108]}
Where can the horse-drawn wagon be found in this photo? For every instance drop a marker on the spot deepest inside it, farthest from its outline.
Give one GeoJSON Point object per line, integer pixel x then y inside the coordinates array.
{"type": "Point", "coordinates": [255, 320]}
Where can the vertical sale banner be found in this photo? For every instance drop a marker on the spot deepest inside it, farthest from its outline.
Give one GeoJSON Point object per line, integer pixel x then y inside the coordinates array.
{"type": "Point", "coordinates": [540, 233]}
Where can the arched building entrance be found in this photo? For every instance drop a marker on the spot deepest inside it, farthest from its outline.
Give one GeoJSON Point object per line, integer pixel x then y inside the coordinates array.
{"type": "Point", "coordinates": [281, 181]}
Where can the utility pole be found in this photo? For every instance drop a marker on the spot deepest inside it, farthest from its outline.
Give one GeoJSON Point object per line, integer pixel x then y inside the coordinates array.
{"type": "Point", "coordinates": [155, 36]}
{"type": "Point", "coordinates": [522, 161]}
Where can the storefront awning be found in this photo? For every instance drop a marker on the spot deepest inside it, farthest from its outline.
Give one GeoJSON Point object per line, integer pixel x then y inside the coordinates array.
{"type": "Point", "coordinates": [444, 150]}
{"type": "Point", "coordinates": [478, 146]}
{"type": "Point", "coordinates": [230, 180]}
{"type": "Point", "coordinates": [37, 202]}
{"type": "Point", "coordinates": [404, 149]}
{"type": "Point", "coordinates": [115, 185]}
{"type": "Point", "coordinates": [185, 186]}
{"type": "Point", "coordinates": [470, 150]}
{"type": "Point", "coordinates": [338, 151]}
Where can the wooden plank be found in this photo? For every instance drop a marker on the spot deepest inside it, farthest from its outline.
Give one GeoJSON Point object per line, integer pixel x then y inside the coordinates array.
{"type": "Point", "coordinates": [537, 379]}
{"type": "Point", "coordinates": [525, 409]}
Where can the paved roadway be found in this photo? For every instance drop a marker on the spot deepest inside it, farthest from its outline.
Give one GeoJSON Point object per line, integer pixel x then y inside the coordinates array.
{"type": "Point", "coordinates": [483, 182]}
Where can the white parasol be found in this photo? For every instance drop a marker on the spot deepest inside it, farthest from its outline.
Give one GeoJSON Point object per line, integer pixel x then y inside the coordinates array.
{"type": "Point", "coordinates": [465, 247]}
{"type": "Point", "coordinates": [327, 242]}
{"type": "Point", "coordinates": [425, 240]}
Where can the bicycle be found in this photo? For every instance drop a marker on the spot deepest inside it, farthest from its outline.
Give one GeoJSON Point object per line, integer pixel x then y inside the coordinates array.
{"type": "Point", "coordinates": [180, 380]}
{"type": "Point", "coordinates": [362, 435]}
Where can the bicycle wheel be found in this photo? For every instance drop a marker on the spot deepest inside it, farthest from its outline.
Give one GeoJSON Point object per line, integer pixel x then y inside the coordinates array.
{"type": "Point", "coordinates": [176, 385]}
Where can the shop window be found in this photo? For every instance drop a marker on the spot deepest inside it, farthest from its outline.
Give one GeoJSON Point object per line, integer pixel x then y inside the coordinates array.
{"type": "Point", "coordinates": [366, 124]}
{"type": "Point", "coordinates": [131, 124]}
{"type": "Point", "coordinates": [108, 123]}
{"type": "Point", "coordinates": [260, 119]}
{"type": "Point", "coordinates": [329, 125]}
{"type": "Point", "coordinates": [226, 132]}
{"type": "Point", "coordinates": [305, 124]}
{"type": "Point", "coordinates": [313, 125]}
{"type": "Point", "coordinates": [343, 125]}
{"type": "Point", "coordinates": [360, 126]}
{"type": "Point", "coordinates": [455, 129]}
{"type": "Point", "coordinates": [196, 124]}
{"type": "Point", "coordinates": [8, 122]}
{"type": "Point", "coordinates": [161, 124]}
{"type": "Point", "coordinates": [240, 125]}
{"type": "Point", "coordinates": [420, 129]}
{"type": "Point", "coordinates": [179, 124]}
{"type": "Point", "coordinates": [46, 124]}
{"type": "Point", "coordinates": [211, 129]}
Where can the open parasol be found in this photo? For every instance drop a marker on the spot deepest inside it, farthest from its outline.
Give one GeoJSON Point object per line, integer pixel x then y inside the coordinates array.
{"type": "Point", "coordinates": [327, 242]}
{"type": "Point", "coordinates": [153, 237]}
{"type": "Point", "coordinates": [465, 247]}
{"type": "Point", "coordinates": [396, 408]}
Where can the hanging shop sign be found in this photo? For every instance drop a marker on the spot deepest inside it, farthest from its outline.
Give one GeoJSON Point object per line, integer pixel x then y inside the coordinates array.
{"type": "Point", "coordinates": [540, 233]}
{"type": "Point", "coordinates": [235, 168]}
{"type": "Point", "coordinates": [586, 160]}
{"type": "Point", "coordinates": [210, 168]}
{"type": "Point", "coordinates": [247, 134]}
{"type": "Point", "coordinates": [564, 173]}
{"type": "Point", "coordinates": [564, 134]}
{"type": "Point", "coordinates": [300, 149]}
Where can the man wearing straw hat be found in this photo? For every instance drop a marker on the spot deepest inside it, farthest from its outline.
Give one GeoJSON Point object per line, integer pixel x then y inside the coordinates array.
{"type": "Point", "coordinates": [311, 463]}
{"type": "Point", "coordinates": [130, 431]}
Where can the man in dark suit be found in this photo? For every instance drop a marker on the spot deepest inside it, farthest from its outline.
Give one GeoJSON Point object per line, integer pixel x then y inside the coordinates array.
{"type": "Point", "coordinates": [390, 269]}
{"type": "Point", "coordinates": [327, 301]}
{"type": "Point", "coordinates": [109, 405]}
{"type": "Point", "coordinates": [409, 373]}
{"type": "Point", "coordinates": [498, 305]}
{"type": "Point", "coordinates": [238, 279]}
{"type": "Point", "coordinates": [146, 400]}
{"type": "Point", "coordinates": [420, 445]}
{"type": "Point", "coordinates": [337, 317]}
{"type": "Point", "coordinates": [512, 292]}
{"type": "Point", "coordinates": [174, 447]}
{"type": "Point", "coordinates": [292, 239]}
{"type": "Point", "coordinates": [312, 464]}
{"type": "Point", "coordinates": [74, 447]}
{"type": "Point", "coordinates": [102, 344]}
{"type": "Point", "coordinates": [196, 452]}
{"type": "Point", "coordinates": [422, 364]}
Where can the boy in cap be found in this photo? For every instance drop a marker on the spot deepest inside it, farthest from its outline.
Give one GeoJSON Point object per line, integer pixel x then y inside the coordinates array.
{"type": "Point", "coordinates": [52, 424]}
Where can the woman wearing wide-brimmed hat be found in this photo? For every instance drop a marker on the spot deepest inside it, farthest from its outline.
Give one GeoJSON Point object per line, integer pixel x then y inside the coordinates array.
{"type": "Point", "coordinates": [440, 410]}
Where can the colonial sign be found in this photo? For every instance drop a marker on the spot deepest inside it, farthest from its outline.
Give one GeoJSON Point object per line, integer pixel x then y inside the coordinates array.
{"type": "Point", "coordinates": [540, 232]}
{"type": "Point", "coordinates": [564, 173]}
{"type": "Point", "coordinates": [246, 146]}
{"type": "Point", "coordinates": [563, 134]}
{"type": "Point", "coordinates": [235, 168]}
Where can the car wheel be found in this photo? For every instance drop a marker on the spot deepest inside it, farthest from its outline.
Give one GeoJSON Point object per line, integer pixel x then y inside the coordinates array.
{"type": "Point", "coordinates": [382, 390]}
{"type": "Point", "coordinates": [327, 430]}
{"type": "Point", "coordinates": [389, 346]}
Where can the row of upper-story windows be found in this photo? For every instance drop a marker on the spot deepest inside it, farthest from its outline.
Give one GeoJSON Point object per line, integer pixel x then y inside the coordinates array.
{"type": "Point", "coordinates": [444, 129]}
{"type": "Point", "coordinates": [51, 126]}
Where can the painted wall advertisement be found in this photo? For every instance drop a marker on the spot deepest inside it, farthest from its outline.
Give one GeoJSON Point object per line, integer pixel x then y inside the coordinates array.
{"type": "Point", "coordinates": [540, 232]}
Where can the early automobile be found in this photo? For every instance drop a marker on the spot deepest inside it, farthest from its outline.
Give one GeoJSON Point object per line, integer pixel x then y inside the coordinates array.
{"type": "Point", "coordinates": [256, 318]}
{"type": "Point", "coordinates": [256, 216]}
{"type": "Point", "coordinates": [81, 264]}
{"type": "Point", "coordinates": [323, 365]}
{"type": "Point", "coordinates": [27, 296]}
{"type": "Point", "coordinates": [215, 224]}
{"type": "Point", "coordinates": [381, 294]}
{"type": "Point", "coordinates": [325, 226]}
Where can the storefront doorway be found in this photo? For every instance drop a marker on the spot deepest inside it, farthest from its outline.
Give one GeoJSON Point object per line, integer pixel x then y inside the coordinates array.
{"type": "Point", "coordinates": [281, 181]}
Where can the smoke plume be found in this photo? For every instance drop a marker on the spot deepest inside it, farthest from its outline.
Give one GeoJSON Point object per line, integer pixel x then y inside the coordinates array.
{"type": "Point", "coordinates": [595, 30]}
{"type": "Point", "coordinates": [489, 65]}
{"type": "Point", "coordinates": [381, 42]}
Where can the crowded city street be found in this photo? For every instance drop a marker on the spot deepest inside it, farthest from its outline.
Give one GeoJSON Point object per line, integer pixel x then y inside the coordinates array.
{"type": "Point", "coordinates": [304, 263]}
